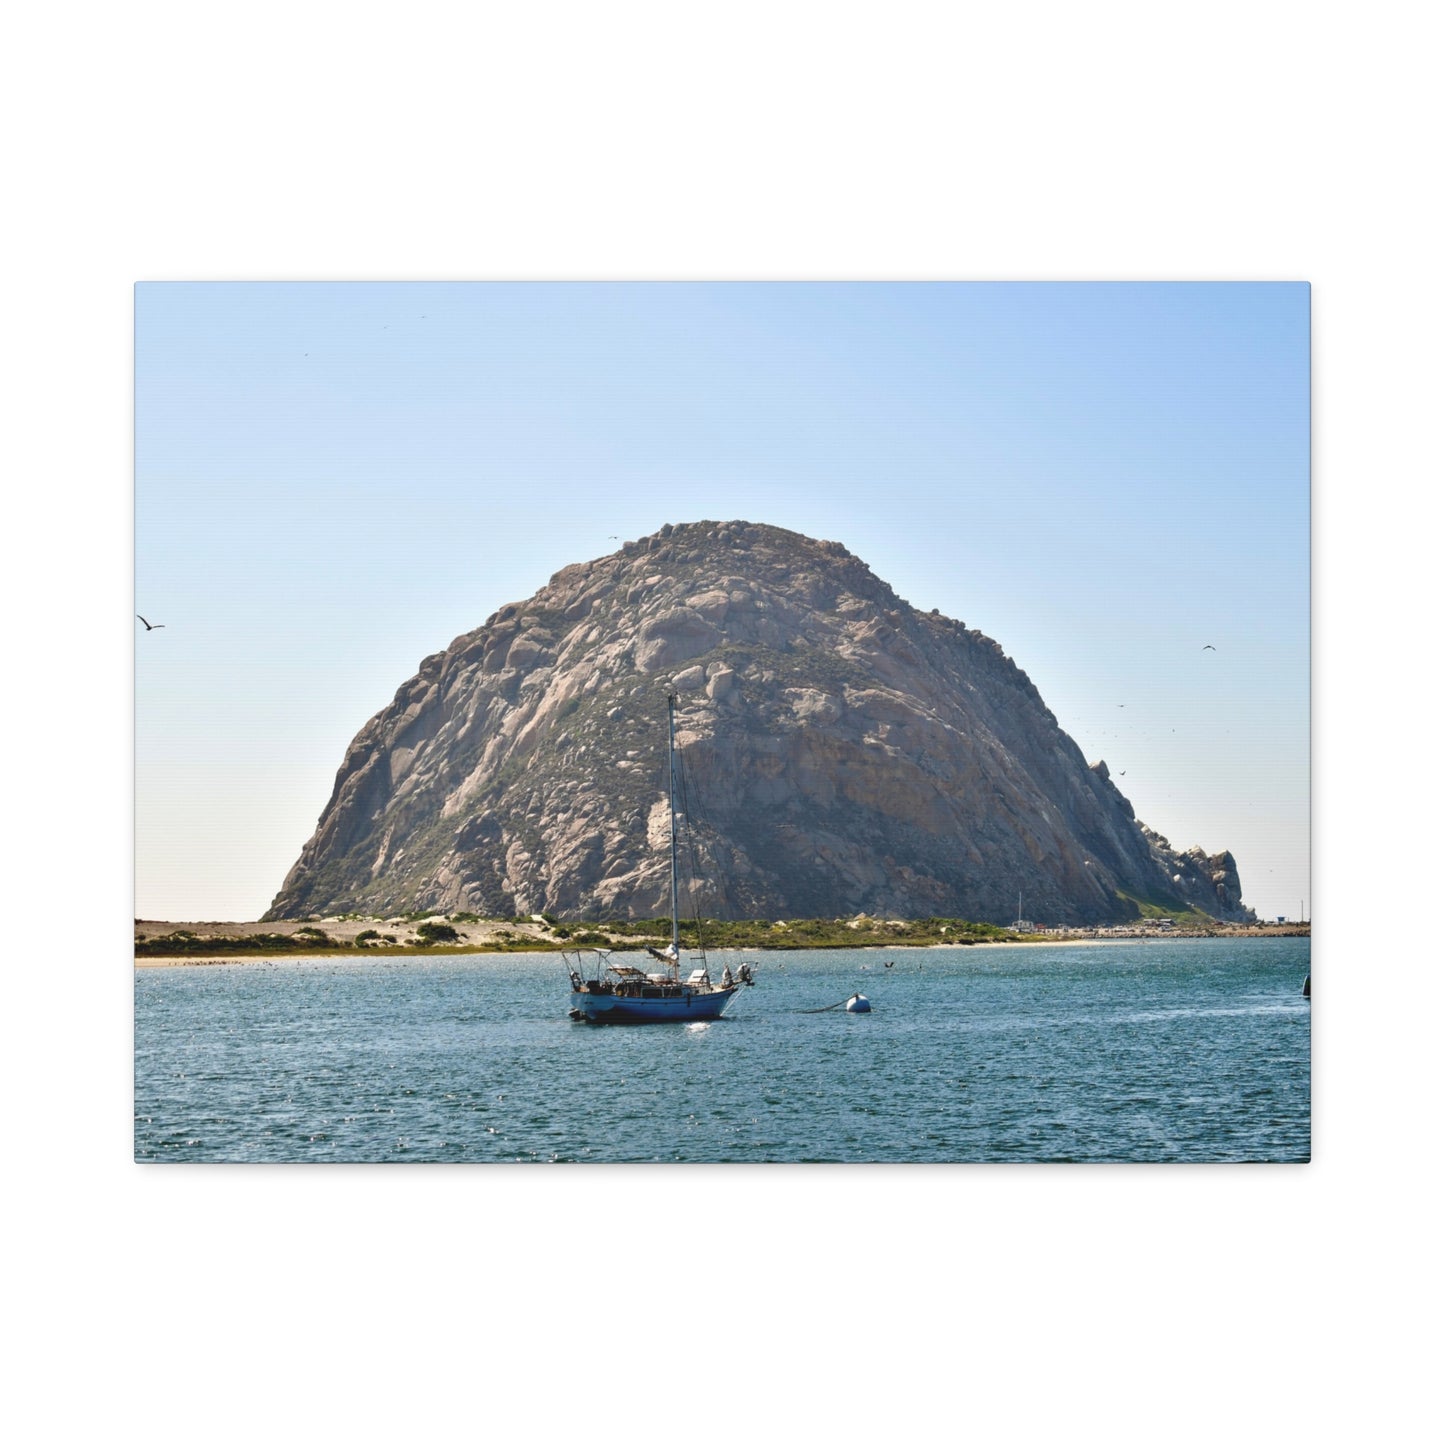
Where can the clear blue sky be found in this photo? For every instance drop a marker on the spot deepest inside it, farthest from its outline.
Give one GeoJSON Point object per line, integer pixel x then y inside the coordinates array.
{"type": "Point", "coordinates": [335, 479]}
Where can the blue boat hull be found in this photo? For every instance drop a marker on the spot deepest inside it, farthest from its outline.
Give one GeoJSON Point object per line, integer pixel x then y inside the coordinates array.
{"type": "Point", "coordinates": [608, 1008]}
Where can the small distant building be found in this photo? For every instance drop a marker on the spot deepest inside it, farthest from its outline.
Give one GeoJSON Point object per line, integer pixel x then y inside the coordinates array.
{"type": "Point", "coordinates": [1279, 918]}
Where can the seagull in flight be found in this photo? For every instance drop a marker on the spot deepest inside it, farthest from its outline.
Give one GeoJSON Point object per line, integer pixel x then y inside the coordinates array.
{"type": "Point", "coordinates": [151, 626]}
{"type": "Point", "coordinates": [1209, 647]}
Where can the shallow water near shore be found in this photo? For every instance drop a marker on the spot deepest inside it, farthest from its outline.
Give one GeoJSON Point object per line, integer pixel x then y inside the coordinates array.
{"type": "Point", "coordinates": [1186, 1050]}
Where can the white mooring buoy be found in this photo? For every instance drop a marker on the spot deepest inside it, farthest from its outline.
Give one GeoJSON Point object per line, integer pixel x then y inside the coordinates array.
{"type": "Point", "coordinates": [858, 1004]}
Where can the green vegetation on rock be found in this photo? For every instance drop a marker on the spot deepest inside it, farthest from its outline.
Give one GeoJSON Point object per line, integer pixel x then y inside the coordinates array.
{"type": "Point", "coordinates": [1157, 907]}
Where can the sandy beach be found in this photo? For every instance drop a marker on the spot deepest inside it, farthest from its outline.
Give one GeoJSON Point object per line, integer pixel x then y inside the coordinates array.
{"type": "Point", "coordinates": [393, 939]}
{"type": "Point", "coordinates": [430, 955]}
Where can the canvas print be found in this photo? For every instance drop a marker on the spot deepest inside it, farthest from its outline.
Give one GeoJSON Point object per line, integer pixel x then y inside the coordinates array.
{"type": "Point", "coordinates": [722, 722]}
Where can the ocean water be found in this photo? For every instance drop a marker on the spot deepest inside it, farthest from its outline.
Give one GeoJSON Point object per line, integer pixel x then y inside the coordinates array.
{"type": "Point", "coordinates": [1186, 1050]}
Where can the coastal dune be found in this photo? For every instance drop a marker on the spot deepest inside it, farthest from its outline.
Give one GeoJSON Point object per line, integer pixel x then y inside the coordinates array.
{"type": "Point", "coordinates": [165, 944]}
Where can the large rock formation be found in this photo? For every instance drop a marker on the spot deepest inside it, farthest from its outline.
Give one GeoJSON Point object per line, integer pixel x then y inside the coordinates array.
{"type": "Point", "coordinates": [845, 753]}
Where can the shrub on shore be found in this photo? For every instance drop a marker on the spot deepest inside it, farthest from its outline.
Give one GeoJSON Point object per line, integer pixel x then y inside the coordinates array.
{"type": "Point", "coordinates": [183, 941]}
{"type": "Point", "coordinates": [751, 934]}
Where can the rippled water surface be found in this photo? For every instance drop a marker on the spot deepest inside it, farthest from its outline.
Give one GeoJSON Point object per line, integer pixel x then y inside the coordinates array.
{"type": "Point", "coordinates": [1187, 1050]}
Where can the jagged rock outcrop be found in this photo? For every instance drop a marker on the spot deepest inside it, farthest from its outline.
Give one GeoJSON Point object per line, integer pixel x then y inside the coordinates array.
{"type": "Point", "coordinates": [845, 753]}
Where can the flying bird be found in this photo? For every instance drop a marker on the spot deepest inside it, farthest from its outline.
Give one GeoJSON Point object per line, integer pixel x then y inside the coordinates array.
{"type": "Point", "coordinates": [1209, 647]}
{"type": "Point", "coordinates": [151, 626]}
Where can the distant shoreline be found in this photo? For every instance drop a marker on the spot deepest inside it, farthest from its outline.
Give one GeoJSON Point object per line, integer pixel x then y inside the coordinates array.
{"type": "Point", "coordinates": [485, 939]}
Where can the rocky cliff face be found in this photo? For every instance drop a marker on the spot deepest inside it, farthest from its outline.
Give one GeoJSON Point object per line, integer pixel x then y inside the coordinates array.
{"type": "Point", "coordinates": [844, 753]}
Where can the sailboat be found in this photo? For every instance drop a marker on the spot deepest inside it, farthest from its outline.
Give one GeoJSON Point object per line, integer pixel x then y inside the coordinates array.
{"type": "Point", "coordinates": [621, 993]}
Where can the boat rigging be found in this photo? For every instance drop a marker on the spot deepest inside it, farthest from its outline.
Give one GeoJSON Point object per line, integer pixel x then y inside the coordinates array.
{"type": "Point", "coordinates": [623, 993]}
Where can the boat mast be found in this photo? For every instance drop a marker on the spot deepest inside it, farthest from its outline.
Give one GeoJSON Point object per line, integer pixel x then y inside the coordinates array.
{"type": "Point", "coordinates": [672, 823]}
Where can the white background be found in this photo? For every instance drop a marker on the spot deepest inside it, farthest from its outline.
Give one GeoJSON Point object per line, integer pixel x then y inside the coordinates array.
{"type": "Point", "coordinates": [1260, 141]}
